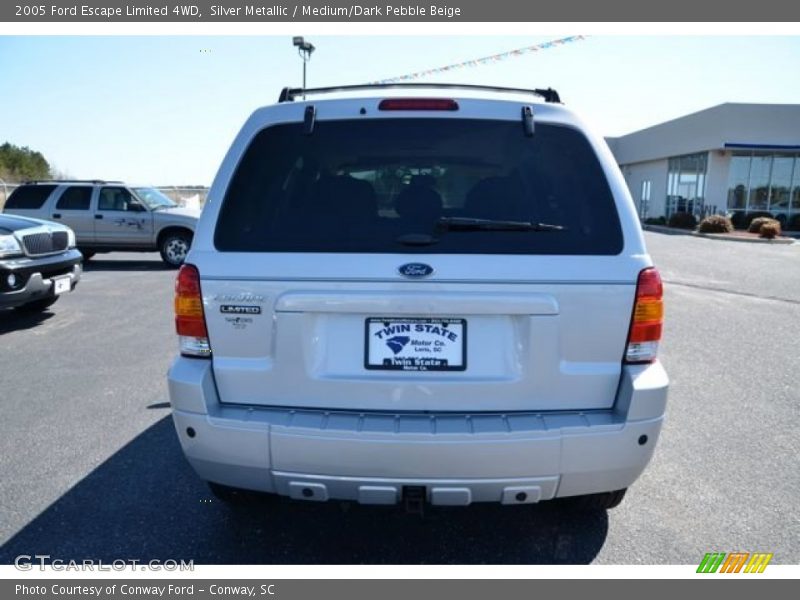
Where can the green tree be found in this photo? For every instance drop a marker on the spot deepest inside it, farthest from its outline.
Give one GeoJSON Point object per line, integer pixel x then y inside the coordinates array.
{"type": "Point", "coordinates": [21, 163]}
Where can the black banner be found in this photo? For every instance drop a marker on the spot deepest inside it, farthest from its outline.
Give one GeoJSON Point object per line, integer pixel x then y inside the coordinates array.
{"type": "Point", "coordinates": [280, 589]}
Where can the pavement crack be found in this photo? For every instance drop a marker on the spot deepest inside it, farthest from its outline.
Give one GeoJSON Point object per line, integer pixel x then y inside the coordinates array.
{"type": "Point", "coordinates": [732, 292]}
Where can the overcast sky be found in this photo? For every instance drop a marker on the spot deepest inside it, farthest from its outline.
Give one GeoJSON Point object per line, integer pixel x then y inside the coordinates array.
{"type": "Point", "coordinates": [163, 110]}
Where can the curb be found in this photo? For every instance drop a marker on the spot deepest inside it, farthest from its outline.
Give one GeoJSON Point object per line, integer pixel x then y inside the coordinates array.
{"type": "Point", "coordinates": [736, 238]}
{"type": "Point", "coordinates": [716, 236]}
{"type": "Point", "coordinates": [666, 230]}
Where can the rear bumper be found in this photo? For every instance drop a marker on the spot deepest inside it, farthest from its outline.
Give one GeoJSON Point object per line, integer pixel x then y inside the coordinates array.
{"type": "Point", "coordinates": [36, 277]}
{"type": "Point", "coordinates": [459, 458]}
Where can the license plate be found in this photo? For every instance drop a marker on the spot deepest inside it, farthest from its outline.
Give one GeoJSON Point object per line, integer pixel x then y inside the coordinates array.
{"type": "Point", "coordinates": [61, 285]}
{"type": "Point", "coordinates": [399, 344]}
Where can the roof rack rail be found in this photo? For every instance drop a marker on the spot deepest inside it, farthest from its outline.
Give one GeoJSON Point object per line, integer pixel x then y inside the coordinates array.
{"type": "Point", "coordinates": [98, 181]}
{"type": "Point", "coordinates": [289, 94]}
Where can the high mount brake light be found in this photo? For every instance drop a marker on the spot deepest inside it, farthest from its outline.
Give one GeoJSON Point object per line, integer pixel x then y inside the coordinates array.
{"type": "Point", "coordinates": [647, 319]}
{"type": "Point", "coordinates": [190, 320]}
{"type": "Point", "coordinates": [418, 104]}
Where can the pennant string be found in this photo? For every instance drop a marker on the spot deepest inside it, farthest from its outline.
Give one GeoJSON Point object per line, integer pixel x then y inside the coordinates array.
{"type": "Point", "coordinates": [476, 62]}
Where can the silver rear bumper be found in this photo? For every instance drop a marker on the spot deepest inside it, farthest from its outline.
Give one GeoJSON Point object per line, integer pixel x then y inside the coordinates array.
{"type": "Point", "coordinates": [459, 458]}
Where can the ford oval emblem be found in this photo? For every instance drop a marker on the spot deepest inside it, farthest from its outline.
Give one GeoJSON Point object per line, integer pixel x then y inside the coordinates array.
{"type": "Point", "coordinates": [415, 270]}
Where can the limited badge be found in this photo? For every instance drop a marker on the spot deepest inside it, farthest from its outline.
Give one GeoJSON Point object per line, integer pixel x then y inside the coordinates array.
{"type": "Point", "coordinates": [239, 309]}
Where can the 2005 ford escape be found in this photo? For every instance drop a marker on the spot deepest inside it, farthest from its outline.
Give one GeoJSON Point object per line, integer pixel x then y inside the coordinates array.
{"type": "Point", "coordinates": [436, 293]}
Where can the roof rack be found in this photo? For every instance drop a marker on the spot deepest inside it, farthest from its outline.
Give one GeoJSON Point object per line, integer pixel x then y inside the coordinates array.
{"type": "Point", "coordinates": [97, 181]}
{"type": "Point", "coordinates": [289, 94]}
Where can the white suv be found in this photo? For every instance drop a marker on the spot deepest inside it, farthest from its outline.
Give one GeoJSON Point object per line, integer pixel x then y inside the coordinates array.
{"type": "Point", "coordinates": [433, 296]}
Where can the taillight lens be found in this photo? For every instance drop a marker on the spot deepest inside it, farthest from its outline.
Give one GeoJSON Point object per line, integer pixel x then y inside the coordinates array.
{"type": "Point", "coordinates": [418, 104]}
{"type": "Point", "coordinates": [190, 321]}
{"type": "Point", "coordinates": [647, 320]}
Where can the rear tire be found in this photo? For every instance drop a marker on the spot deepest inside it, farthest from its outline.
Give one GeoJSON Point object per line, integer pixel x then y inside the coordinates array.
{"type": "Point", "coordinates": [87, 254]}
{"type": "Point", "coordinates": [229, 495]}
{"type": "Point", "coordinates": [602, 501]}
{"type": "Point", "coordinates": [174, 248]}
{"type": "Point", "coordinates": [237, 496]}
{"type": "Point", "coordinates": [37, 305]}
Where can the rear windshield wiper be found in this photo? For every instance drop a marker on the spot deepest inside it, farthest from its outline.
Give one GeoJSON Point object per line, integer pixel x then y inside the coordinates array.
{"type": "Point", "coordinates": [469, 224]}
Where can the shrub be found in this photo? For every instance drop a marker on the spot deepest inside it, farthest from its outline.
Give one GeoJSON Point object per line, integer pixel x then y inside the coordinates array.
{"type": "Point", "coordinates": [755, 224]}
{"type": "Point", "coordinates": [682, 220]}
{"type": "Point", "coordinates": [715, 224]}
{"type": "Point", "coordinates": [770, 230]}
{"type": "Point", "coordinates": [655, 221]}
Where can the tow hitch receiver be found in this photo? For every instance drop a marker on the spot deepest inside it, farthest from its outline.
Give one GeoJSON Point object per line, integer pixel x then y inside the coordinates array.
{"type": "Point", "coordinates": [414, 499]}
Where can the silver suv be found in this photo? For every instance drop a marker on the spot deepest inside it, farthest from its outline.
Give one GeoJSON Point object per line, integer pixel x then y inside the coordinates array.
{"type": "Point", "coordinates": [109, 215]}
{"type": "Point", "coordinates": [423, 294]}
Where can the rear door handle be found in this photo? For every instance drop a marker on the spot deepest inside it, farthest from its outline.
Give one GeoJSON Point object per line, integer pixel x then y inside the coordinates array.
{"type": "Point", "coordinates": [98, 216]}
{"type": "Point", "coordinates": [56, 215]}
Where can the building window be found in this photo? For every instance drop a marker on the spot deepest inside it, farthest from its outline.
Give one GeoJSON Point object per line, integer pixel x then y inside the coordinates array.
{"type": "Point", "coordinates": [781, 182]}
{"type": "Point", "coordinates": [686, 183]}
{"type": "Point", "coordinates": [765, 182]}
{"type": "Point", "coordinates": [738, 182]}
{"type": "Point", "coordinates": [644, 199]}
{"type": "Point", "coordinates": [760, 170]}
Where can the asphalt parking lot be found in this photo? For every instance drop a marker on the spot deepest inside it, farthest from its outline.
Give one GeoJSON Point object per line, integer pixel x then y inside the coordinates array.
{"type": "Point", "coordinates": [90, 466]}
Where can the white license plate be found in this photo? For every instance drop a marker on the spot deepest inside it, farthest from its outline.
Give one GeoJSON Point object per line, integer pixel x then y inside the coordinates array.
{"type": "Point", "coordinates": [399, 344]}
{"type": "Point", "coordinates": [61, 285]}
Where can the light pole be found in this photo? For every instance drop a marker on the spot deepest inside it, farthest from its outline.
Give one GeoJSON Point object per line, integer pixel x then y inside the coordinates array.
{"type": "Point", "coordinates": [304, 49]}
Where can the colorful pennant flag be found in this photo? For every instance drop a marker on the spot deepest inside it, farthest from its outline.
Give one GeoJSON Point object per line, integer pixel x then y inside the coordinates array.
{"type": "Point", "coordinates": [485, 60]}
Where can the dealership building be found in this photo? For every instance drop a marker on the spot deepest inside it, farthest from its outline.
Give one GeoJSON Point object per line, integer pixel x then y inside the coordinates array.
{"type": "Point", "coordinates": [725, 159]}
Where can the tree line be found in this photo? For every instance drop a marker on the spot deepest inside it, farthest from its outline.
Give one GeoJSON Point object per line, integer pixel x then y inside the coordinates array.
{"type": "Point", "coordinates": [20, 163]}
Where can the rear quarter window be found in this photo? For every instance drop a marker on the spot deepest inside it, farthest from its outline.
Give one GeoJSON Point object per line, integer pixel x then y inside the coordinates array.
{"type": "Point", "coordinates": [75, 198]}
{"type": "Point", "coordinates": [29, 197]}
{"type": "Point", "coordinates": [374, 185]}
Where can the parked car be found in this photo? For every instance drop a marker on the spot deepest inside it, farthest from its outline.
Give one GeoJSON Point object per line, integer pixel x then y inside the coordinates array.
{"type": "Point", "coordinates": [109, 215]}
{"type": "Point", "coordinates": [398, 295]}
{"type": "Point", "coordinates": [38, 263]}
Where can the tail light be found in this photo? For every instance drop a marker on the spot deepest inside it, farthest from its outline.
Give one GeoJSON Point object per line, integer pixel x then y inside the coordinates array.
{"type": "Point", "coordinates": [647, 320]}
{"type": "Point", "coordinates": [418, 104]}
{"type": "Point", "coordinates": [190, 321]}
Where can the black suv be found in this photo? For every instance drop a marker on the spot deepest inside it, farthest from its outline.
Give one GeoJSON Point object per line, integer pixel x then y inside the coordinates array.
{"type": "Point", "coordinates": [38, 262]}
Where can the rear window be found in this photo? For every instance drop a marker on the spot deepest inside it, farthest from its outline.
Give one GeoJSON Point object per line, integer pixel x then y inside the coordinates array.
{"type": "Point", "coordinates": [75, 198]}
{"type": "Point", "coordinates": [29, 196]}
{"type": "Point", "coordinates": [386, 185]}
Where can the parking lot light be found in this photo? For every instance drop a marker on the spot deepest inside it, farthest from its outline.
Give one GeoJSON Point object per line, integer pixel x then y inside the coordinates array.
{"type": "Point", "coordinates": [304, 49]}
